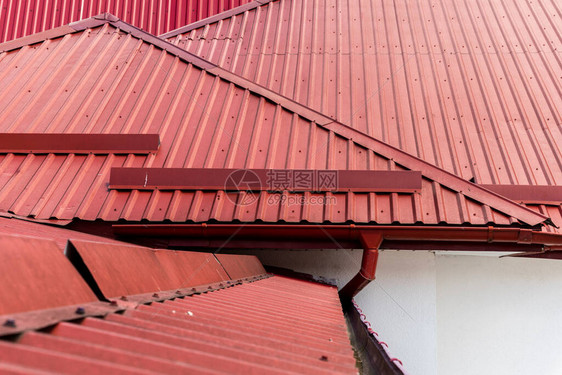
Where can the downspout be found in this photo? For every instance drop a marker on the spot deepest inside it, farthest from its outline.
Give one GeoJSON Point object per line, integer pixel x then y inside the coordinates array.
{"type": "Point", "coordinates": [371, 242]}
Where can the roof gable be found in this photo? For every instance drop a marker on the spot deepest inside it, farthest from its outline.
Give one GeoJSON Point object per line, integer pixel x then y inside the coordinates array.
{"type": "Point", "coordinates": [109, 77]}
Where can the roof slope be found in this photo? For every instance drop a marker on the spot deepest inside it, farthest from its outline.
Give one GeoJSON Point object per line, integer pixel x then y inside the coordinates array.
{"type": "Point", "coordinates": [104, 76]}
{"type": "Point", "coordinates": [472, 87]}
{"type": "Point", "coordinates": [108, 307]}
{"type": "Point", "coordinates": [275, 325]}
{"type": "Point", "coordinates": [26, 17]}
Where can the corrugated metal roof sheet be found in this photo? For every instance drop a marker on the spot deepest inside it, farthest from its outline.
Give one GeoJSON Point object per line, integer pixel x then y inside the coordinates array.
{"type": "Point", "coordinates": [276, 325]}
{"type": "Point", "coordinates": [34, 255]}
{"type": "Point", "coordinates": [26, 17]}
{"type": "Point", "coordinates": [27, 228]}
{"type": "Point", "coordinates": [36, 275]}
{"type": "Point", "coordinates": [51, 320]}
{"type": "Point", "coordinates": [472, 87]}
{"type": "Point", "coordinates": [105, 80]}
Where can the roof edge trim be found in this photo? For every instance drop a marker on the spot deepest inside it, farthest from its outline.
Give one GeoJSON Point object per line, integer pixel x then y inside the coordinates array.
{"type": "Point", "coordinates": [471, 190]}
{"type": "Point", "coordinates": [217, 17]}
{"type": "Point", "coordinates": [36, 38]}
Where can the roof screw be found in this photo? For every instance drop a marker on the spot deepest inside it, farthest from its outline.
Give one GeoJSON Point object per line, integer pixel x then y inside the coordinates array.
{"type": "Point", "coordinates": [221, 285]}
{"type": "Point", "coordinates": [193, 290]}
{"type": "Point", "coordinates": [113, 303]}
{"type": "Point", "coordinates": [10, 323]}
{"type": "Point", "coordinates": [155, 295]}
{"type": "Point", "coordinates": [178, 291]}
{"type": "Point", "coordinates": [123, 298]}
{"type": "Point", "coordinates": [324, 358]}
{"type": "Point", "coordinates": [210, 287]}
{"type": "Point", "coordinates": [228, 282]}
{"type": "Point", "coordinates": [80, 311]}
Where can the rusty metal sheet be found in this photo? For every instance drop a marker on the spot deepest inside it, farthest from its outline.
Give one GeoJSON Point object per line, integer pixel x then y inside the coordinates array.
{"type": "Point", "coordinates": [240, 266]}
{"type": "Point", "coordinates": [228, 126]}
{"type": "Point", "coordinates": [122, 270]}
{"type": "Point", "coordinates": [79, 143]}
{"type": "Point", "coordinates": [418, 76]}
{"type": "Point", "coordinates": [27, 17]}
{"type": "Point", "coordinates": [36, 275]}
{"type": "Point", "coordinates": [276, 325]}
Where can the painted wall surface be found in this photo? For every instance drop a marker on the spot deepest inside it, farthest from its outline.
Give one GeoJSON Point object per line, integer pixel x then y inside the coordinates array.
{"type": "Point", "coordinates": [453, 314]}
{"type": "Point", "coordinates": [499, 315]}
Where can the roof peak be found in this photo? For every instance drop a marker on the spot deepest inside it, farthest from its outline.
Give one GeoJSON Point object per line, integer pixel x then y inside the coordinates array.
{"type": "Point", "coordinates": [403, 158]}
{"type": "Point", "coordinates": [217, 17]}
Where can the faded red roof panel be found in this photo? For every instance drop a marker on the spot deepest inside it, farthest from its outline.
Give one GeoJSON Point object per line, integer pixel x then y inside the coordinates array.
{"type": "Point", "coordinates": [204, 122]}
{"type": "Point", "coordinates": [26, 17]}
{"type": "Point", "coordinates": [59, 235]}
{"type": "Point", "coordinates": [239, 266]}
{"type": "Point", "coordinates": [128, 270]}
{"type": "Point", "coordinates": [276, 325]}
{"type": "Point", "coordinates": [473, 89]}
{"type": "Point", "coordinates": [36, 275]}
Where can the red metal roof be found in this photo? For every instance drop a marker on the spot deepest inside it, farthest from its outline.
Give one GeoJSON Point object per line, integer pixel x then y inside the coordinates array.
{"type": "Point", "coordinates": [103, 76]}
{"type": "Point", "coordinates": [163, 320]}
{"type": "Point", "coordinates": [31, 254]}
{"type": "Point", "coordinates": [26, 17]}
{"type": "Point", "coordinates": [474, 88]}
{"type": "Point", "coordinates": [26, 227]}
{"type": "Point", "coordinates": [36, 275]}
{"type": "Point", "coordinates": [276, 325]}
{"type": "Point", "coordinates": [128, 270]}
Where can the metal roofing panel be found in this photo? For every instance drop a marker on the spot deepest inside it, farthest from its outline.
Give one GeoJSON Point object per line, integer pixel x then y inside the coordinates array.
{"type": "Point", "coordinates": [240, 266]}
{"type": "Point", "coordinates": [36, 275]}
{"type": "Point", "coordinates": [12, 225]}
{"type": "Point", "coordinates": [128, 270]}
{"type": "Point", "coordinates": [275, 325]}
{"type": "Point", "coordinates": [26, 17]}
{"type": "Point", "coordinates": [204, 122]}
{"type": "Point", "coordinates": [473, 88]}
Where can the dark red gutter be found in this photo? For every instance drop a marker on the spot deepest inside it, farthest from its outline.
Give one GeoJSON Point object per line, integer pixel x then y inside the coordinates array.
{"type": "Point", "coordinates": [348, 233]}
{"type": "Point", "coordinates": [370, 237]}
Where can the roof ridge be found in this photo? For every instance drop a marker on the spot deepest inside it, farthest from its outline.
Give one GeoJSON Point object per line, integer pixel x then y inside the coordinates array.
{"type": "Point", "coordinates": [453, 182]}
{"type": "Point", "coordinates": [215, 18]}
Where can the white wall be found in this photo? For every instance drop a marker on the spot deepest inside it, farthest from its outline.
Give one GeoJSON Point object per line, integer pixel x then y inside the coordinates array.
{"type": "Point", "coordinates": [499, 315]}
{"type": "Point", "coordinates": [454, 314]}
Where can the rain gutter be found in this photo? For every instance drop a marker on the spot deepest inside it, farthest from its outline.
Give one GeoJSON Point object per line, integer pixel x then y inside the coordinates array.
{"type": "Point", "coordinates": [277, 233]}
{"type": "Point", "coordinates": [371, 237]}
